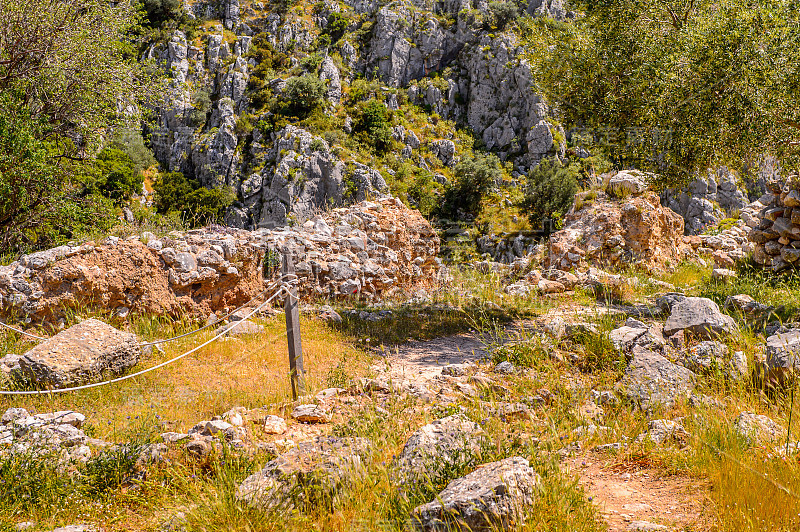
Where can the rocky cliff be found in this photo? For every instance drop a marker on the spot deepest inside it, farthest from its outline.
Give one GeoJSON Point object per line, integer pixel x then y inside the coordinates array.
{"type": "Point", "coordinates": [440, 66]}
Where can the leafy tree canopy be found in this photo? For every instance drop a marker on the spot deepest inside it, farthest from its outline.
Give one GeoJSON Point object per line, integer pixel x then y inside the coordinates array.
{"type": "Point", "coordinates": [676, 86]}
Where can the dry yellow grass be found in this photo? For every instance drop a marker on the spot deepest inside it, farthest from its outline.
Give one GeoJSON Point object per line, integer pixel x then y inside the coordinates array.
{"type": "Point", "coordinates": [249, 371]}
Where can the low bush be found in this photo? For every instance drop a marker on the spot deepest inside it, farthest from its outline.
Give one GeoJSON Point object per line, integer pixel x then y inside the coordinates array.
{"type": "Point", "coordinates": [549, 192]}
{"type": "Point", "coordinates": [196, 204]}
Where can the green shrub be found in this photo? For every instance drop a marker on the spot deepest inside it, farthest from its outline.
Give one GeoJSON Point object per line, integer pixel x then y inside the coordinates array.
{"type": "Point", "coordinates": [549, 191]}
{"type": "Point", "coordinates": [337, 25]}
{"type": "Point", "coordinates": [268, 60]}
{"type": "Point", "coordinates": [111, 468]}
{"type": "Point", "coordinates": [500, 14]}
{"type": "Point", "coordinates": [311, 62]}
{"type": "Point", "coordinates": [474, 176]}
{"type": "Point", "coordinates": [158, 12]}
{"type": "Point", "coordinates": [373, 122]}
{"type": "Point", "coordinates": [118, 178]}
{"type": "Point", "coordinates": [303, 94]}
{"type": "Point", "coordinates": [196, 204]}
{"type": "Point", "coordinates": [361, 90]}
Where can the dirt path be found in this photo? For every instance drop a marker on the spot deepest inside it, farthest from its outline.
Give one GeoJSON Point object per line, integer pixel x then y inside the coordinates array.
{"type": "Point", "coordinates": [421, 361]}
{"type": "Point", "coordinates": [625, 495]}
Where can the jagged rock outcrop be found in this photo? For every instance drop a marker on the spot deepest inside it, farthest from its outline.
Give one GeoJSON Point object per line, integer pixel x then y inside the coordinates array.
{"type": "Point", "coordinates": [486, 86]}
{"type": "Point", "coordinates": [707, 200]}
{"type": "Point", "coordinates": [302, 177]}
{"type": "Point", "coordinates": [607, 232]}
{"type": "Point", "coordinates": [491, 93]}
{"type": "Point", "coordinates": [368, 251]}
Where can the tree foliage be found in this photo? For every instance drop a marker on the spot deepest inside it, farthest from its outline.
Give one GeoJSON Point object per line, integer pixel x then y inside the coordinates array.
{"type": "Point", "coordinates": [549, 192]}
{"type": "Point", "coordinates": [373, 122]}
{"type": "Point", "coordinates": [71, 63]}
{"type": "Point", "coordinates": [304, 93]}
{"type": "Point", "coordinates": [68, 76]}
{"type": "Point", "coordinates": [474, 176]}
{"type": "Point", "coordinates": [679, 85]}
{"type": "Point", "coordinates": [38, 205]}
{"type": "Point", "coordinates": [196, 204]}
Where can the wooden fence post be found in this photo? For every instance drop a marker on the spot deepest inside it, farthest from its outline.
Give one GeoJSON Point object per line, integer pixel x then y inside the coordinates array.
{"type": "Point", "coordinates": [291, 306]}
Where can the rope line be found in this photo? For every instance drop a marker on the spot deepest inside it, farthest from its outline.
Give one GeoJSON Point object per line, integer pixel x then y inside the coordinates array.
{"type": "Point", "coordinates": [290, 279]}
{"type": "Point", "coordinates": [286, 278]}
{"type": "Point", "coordinates": [20, 331]}
{"type": "Point", "coordinates": [284, 287]}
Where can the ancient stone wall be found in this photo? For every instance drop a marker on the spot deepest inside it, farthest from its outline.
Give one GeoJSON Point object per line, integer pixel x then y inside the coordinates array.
{"type": "Point", "coordinates": [368, 251]}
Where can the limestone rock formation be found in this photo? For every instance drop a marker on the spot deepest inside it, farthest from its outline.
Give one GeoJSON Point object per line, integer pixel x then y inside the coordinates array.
{"type": "Point", "coordinates": [492, 497]}
{"type": "Point", "coordinates": [707, 200]}
{"type": "Point", "coordinates": [317, 468]}
{"type": "Point", "coordinates": [700, 317]}
{"type": "Point", "coordinates": [605, 232]}
{"type": "Point", "coordinates": [81, 354]}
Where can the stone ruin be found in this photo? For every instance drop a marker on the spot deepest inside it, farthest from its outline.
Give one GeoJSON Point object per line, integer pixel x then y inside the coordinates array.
{"type": "Point", "coordinates": [368, 251]}
{"type": "Point", "coordinates": [777, 235]}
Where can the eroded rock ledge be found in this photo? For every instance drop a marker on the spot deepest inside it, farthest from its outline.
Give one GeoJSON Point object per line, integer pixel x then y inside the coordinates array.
{"type": "Point", "coordinates": [368, 251]}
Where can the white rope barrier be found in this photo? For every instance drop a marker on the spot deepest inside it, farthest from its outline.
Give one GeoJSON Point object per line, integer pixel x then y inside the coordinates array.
{"type": "Point", "coordinates": [20, 331]}
{"type": "Point", "coordinates": [284, 287]}
{"type": "Point", "coordinates": [290, 279]}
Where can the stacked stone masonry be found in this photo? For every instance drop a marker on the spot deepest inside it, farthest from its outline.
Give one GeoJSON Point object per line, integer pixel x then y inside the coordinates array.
{"type": "Point", "coordinates": [368, 251]}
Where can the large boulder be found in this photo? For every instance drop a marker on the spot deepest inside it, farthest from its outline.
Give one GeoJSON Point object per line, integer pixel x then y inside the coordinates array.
{"type": "Point", "coordinates": [603, 232]}
{"type": "Point", "coordinates": [81, 354]}
{"type": "Point", "coordinates": [310, 472]}
{"type": "Point", "coordinates": [628, 183]}
{"type": "Point", "coordinates": [653, 380]}
{"type": "Point", "coordinates": [699, 317]}
{"type": "Point", "coordinates": [448, 441]}
{"type": "Point", "coordinates": [493, 497]}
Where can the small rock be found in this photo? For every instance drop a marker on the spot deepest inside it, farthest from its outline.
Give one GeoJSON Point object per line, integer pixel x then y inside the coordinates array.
{"type": "Point", "coordinates": [757, 428]}
{"type": "Point", "coordinates": [12, 414]}
{"type": "Point", "coordinates": [646, 526]}
{"type": "Point", "coordinates": [310, 413]}
{"type": "Point", "coordinates": [274, 425]}
{"type": "Point", "coordinates": [505, 368]}
{"type": "Point", "coordinates": [241, 328]}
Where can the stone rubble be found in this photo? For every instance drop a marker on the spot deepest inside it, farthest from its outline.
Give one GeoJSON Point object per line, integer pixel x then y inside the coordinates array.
{"type": "Point", "coordinates": [369, 251]}
{"type": "Point", "coordinates": [777, 233]}
{"type": "Point", "coordinates": [607, 232]}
